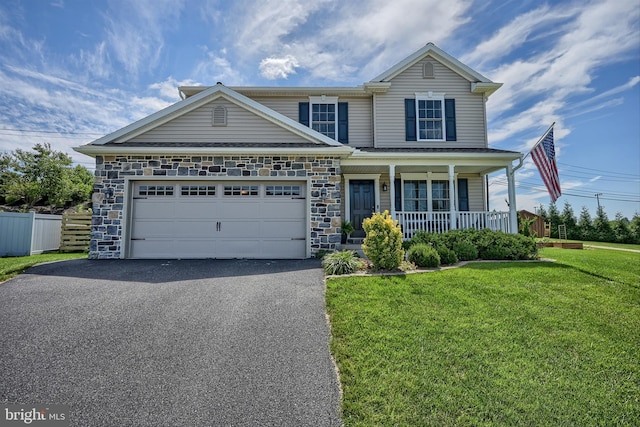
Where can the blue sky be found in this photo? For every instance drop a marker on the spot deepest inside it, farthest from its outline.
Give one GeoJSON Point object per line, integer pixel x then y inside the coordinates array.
{"type": "Point", "coordinates": [72, 71]}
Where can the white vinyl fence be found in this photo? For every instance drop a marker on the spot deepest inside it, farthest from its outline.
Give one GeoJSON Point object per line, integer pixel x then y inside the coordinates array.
{"type": "Point", "coordinates": [28, 233]}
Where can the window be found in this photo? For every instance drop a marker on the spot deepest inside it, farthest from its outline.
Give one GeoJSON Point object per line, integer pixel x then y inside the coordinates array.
{"type": "Point", "coordinates": [431, 126]}
{"type": "Point", "coordinates": [426, 194]}
{"type": "Point", "coordinates": [415, 196]}
{"type": "Point", "coordinates": [327, 116]}
{"type": "Point", "coordinates": [282, 190]}
{"type": "Point", "coordinates": [198, 190]}
{"type": "Point", "coordinates": [155, 190]}
{"type": "Point", "coordinates": [240, 190]}
{"type": "Point", "coordinates": [323, 119]}
{"type": "Point", "coordinates": [430, 117]}
{"type": "Point", "coordinates": [440, 196]}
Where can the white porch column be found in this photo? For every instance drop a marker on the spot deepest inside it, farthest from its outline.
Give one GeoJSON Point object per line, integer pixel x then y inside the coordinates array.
{"type": "Point", "coordinates": [452, 198]}
{"type": "Point", "coordinates": [513, 213]}
{"type": "Point", "coordinates": [392, 190]}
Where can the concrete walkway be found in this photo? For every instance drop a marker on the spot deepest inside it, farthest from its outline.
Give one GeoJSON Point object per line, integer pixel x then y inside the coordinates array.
{"type": "Point", "coordinates": [171, 343]}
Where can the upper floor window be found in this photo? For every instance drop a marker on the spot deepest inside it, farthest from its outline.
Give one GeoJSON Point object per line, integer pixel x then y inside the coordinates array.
{"type": "Point", "coordinates": [431, 126]}
{"type": "Point", "coordinates": [430, 117]}
{"type": "Point", "coordinates": [327, 116]}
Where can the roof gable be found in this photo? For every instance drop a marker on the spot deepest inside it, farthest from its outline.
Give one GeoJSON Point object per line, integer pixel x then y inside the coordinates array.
{"type": "Point", "coordinates": [213, 93]}
{"type": "Point", "coordinates": [479, 83]}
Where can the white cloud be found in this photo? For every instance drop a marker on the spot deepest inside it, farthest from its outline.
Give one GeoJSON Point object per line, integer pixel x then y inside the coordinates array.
{"type": "Point", "coordinates": [168, 88]}
{"type": "Point", "coordinates": [600, 34]}
{"type": "Point", "coordinates": [214, 68]}
{"type": "Point", "coordinates": [278, 68]}
{"type": "Point", "coordinates": [135, 31]}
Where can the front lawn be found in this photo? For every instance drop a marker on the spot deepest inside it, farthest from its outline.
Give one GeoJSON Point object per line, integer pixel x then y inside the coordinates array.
{"type": "Point", "coordinates": [492, 343]}
{"type": "Point", "coordinates": [12, 266]}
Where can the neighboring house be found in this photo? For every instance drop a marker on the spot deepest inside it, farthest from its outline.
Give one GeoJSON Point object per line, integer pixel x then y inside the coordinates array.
{"type": "Point", "coordinates": [272, 172]}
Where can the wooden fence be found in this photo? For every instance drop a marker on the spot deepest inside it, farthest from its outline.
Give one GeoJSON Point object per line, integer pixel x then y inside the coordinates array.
{"type": "Point", "coordinates": [76, 232]}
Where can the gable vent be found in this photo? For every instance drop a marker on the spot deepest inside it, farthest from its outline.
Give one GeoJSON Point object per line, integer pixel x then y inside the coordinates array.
{"type": "Point", "coordinates": [427, 70]}
{"type": "Point", "coordinates": [219, 116]}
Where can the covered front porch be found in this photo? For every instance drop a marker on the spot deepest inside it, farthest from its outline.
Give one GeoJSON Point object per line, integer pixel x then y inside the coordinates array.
{"type": "Point", "coordinates": [427, 190]}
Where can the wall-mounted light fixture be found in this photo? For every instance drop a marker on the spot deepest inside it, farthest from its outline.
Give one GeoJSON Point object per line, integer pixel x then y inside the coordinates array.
{"type": "Point", "coordinates": [323, 193]}
{"type": "Point", "coordinates": [109, 192]}
{"type": "Point", "coordinates": [384, 186]}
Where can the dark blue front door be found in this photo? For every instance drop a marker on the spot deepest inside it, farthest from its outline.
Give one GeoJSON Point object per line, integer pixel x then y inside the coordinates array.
{"type": "Point", "coordinates": [362, 201]}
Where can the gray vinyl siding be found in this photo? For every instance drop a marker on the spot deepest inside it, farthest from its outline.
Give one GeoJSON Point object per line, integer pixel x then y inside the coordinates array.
{"type": "Point", "coordinates": [476, 192]}
{"type": "Point", "coordinates": [360, 115]}
{"type": "Point", "coordinates": [242, 126]}
{"type": "Point", "coordinates": [470, 108]}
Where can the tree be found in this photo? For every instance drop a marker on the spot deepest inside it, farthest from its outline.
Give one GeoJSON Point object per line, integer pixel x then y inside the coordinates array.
{"type": "Point", "coordinates": [602, 227]}
{"type": "Point", "coordinates": [634, 227]}
{"type": "Point", "coordinates": [43, 177]}
{"type": "Point", "coordinates": [621, 230]}
{"type": "Point", "coordinates": [585, 225]}
{"type": "Point", "coordinates": [554, 218]}
{"type": "Point", "coordinates": [568, 218]}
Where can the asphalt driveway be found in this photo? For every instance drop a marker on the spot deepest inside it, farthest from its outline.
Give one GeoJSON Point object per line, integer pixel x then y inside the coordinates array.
{"type": "Point", "coordinates": [170, 343]}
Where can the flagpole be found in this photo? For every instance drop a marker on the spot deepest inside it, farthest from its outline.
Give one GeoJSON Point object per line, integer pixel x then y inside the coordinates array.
{"type": "Point", "coordinates": [544, 135]}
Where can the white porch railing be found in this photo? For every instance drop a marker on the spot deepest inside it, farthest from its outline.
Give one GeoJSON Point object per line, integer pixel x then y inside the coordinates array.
{"type": "Point", "coordinates": [440, 222]}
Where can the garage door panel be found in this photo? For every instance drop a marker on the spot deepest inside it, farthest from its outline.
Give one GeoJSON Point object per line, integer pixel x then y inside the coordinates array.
{"type": "Point", "coordinates": [195, 228]}
{"type": "Point", "coordinates": [202, 209]}
{"type": "Point", "coordinates": [273, 228]}
{"type": "Point", "coordinates": [172, 248]}
{"type": "Point", "coordinates": [150, 228]}
{"type": "Point", "coordinates": [154, 209]}
{"type": "Point", "coordinates": [292, 209]}
{"type": "Point", "coordinates": [193, 224]}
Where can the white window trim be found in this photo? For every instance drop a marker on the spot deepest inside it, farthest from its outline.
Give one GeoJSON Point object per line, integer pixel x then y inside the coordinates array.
{"type": "Point", "coordinates": [429, 177]}
{"type": "Point", "coordinates": [323, 99]}
{"type": "Point", "coordinates": [431, 96]}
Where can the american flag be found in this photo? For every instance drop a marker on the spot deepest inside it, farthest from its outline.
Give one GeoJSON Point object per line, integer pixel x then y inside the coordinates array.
{"type": "Point", "coordinates": [544, 156]}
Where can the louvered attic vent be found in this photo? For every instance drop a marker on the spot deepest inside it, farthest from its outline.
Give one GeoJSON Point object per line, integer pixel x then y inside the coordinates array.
{"type": "Point", "coordinates": [427, 70]}
{"type": "Point", "coordinates": [219, 116]}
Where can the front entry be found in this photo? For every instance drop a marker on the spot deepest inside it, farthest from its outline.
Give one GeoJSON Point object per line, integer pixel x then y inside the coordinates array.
{"type": "Point", "coordinates": [363, 202]}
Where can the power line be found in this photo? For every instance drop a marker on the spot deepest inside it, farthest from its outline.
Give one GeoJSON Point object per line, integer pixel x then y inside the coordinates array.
{"type": "Point", "coordinates": [49, 132]}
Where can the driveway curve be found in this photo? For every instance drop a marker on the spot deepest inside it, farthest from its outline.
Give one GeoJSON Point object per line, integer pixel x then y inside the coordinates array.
{"type": "Point", "coordinates": [171, 343]}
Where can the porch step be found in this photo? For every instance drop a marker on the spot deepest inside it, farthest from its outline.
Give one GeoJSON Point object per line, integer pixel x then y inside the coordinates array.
{"type": "Point", "coordinates": [353, 247]}
{"type": "Point", "coordinates": [355, 240]}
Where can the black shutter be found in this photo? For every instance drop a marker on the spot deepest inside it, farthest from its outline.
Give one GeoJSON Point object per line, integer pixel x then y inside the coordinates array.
{"type": "Point", "coordinates": [303, 113]}
{"type": "Point", "coordinates": [343, 122]}
{"type": "Point", "coordinates": [450, 118]}
{"type": "Point", "coordinates": [397, 185]}
{"type": "Point", "coordinates": [463, 194]}
{"type": "Point", "coordinates": [410, 119]}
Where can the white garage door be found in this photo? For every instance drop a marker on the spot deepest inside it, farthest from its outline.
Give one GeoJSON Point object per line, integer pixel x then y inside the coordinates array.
{"type": "Point", "coordinates": [218, 220]}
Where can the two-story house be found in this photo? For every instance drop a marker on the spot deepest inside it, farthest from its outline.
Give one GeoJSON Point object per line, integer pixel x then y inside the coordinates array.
{"type": "Point", "coordinates": [272, 172]}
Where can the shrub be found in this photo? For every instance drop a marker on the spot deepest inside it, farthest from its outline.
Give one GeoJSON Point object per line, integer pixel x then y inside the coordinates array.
{"type": "Point", "coordinates": [496, 252]}
{"type": "Point", "coordinates": [465, 250]}
{"type": "Point", "coordinates": [423, 255]}
{"type": "Point", "coordinates": [343, 262]}
{"type": "Point", "coordinates": [447, 256]}
{"type": "Point", "coordinates": [383, 242]}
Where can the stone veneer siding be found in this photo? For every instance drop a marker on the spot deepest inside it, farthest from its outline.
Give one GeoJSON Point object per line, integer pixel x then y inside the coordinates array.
{"type": "Point", "coordinates": [109, 190]}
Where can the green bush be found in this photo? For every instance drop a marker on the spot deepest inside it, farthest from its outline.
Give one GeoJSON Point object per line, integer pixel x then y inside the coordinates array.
{"type": "Point", "coordinates": [514, 246]}
{"type": "Point", "coordinates": [465, 250]}
{"type": "Point", "coordinates": [383, 242]}
{"type": "Point", "coordinates": [344, 262]}
{"type": "Point", "coordinates": [423, 255]}
{"type": "Point", "coordinates": [447, 256]}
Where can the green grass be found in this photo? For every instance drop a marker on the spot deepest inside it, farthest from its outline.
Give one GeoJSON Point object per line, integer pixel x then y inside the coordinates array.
{"type": "Point", "coordinates": [12, 266]}
{"type": "Point", "coordinates": [492, 343]}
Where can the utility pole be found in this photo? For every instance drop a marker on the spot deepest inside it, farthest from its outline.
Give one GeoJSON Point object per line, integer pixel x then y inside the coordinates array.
{"type": "Point", "coordinates": [598, 199]}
